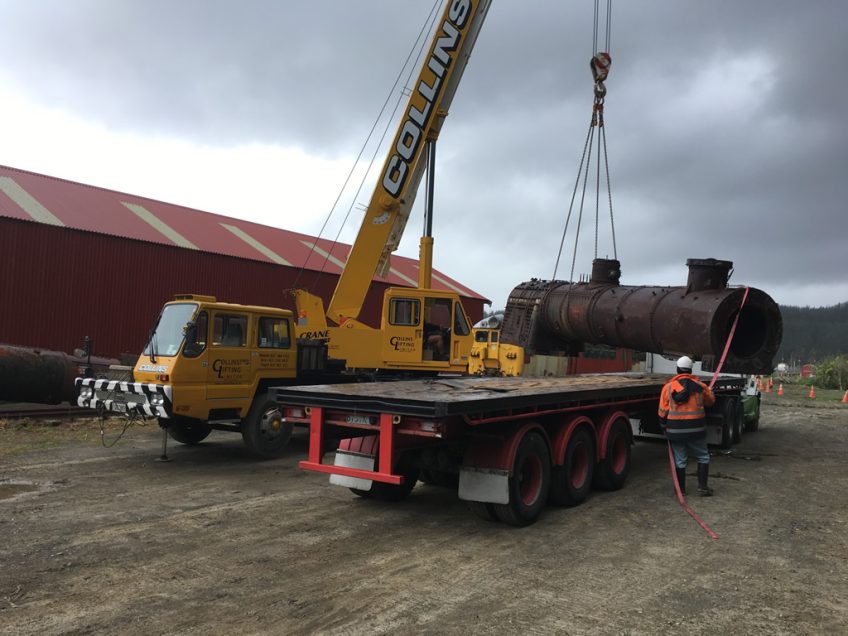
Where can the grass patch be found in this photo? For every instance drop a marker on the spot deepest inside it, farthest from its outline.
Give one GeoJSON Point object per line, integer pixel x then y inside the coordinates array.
{"type": "Point", "coordinates": [27, 435]}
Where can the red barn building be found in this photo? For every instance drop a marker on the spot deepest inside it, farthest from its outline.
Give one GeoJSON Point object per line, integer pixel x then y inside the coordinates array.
{"type": "Point", "coordinates": [77, 260]}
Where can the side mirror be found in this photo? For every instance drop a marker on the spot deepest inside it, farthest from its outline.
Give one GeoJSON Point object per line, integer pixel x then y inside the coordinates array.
{"type": "Point", "coordinates": [190, 331]}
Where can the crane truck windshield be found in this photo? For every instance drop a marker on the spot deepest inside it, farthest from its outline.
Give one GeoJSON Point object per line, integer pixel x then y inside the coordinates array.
{"type": "Point", "coordinates": [168, 335]}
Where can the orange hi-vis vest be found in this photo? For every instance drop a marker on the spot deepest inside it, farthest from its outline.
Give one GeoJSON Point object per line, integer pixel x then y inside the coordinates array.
{"type": "Point", "coordinates": [682, 403]}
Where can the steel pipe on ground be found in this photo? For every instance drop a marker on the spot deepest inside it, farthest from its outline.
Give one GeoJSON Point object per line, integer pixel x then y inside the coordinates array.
{"type": "Point", "coordinates": [41, 376]}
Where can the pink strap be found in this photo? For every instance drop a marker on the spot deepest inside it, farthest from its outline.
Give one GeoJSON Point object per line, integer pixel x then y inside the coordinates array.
{"type": "Point", "coordinates": [729, 339]}
{"type": "Point", "coordinates": [682, 500]}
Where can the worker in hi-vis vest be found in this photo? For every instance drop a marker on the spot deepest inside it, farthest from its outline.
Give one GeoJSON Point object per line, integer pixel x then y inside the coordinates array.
{"type": "Point", "coordinates": [684, 422]}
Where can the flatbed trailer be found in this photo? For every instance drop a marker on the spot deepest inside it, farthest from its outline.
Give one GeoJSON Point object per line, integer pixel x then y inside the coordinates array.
{"type": "Point", "coordinates": [509, 444]}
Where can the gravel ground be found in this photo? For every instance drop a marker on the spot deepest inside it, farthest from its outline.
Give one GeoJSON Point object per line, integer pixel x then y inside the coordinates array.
{"type": "Point", "coordinates": [102, 540]}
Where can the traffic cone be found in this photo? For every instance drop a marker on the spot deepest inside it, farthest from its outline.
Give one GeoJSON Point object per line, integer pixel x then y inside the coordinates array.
{"type": "Point", "coordinates": [812, 395]}
{"type": "Point", "coordinates": [780, 389]}
{"type": "Point", "coordinates": [760, 384]}
{"type": "Point", "coordinates": [768, 387]}
{"type": "Point", "coordinates": [845, 398]}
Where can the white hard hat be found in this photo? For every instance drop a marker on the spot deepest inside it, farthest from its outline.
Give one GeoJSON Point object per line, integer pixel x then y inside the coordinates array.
{"type": "Point", "coordinates": [684, 363]}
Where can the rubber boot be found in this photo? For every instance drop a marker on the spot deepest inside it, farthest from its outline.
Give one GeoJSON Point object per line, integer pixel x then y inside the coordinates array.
{"type": "Point", "coordinates": [681, 478]}
{"type": "Point", "coordinates": [703, 476]}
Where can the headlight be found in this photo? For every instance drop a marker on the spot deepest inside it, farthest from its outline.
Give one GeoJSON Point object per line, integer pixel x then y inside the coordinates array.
{"type": "Point", "coordinates": [157, 400]}
{"type": "Point", "coordinates": [86, 393]}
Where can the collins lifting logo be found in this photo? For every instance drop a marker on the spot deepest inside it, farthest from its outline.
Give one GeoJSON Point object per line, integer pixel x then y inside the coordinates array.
{"type": "Point", "coordinates": [427, 96]}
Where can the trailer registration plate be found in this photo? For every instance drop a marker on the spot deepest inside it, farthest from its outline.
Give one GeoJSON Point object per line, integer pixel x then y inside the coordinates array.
{"type": "Point", "coordinates": [359, 419]}
{"type": "Point", "coordinates": [120, 407]}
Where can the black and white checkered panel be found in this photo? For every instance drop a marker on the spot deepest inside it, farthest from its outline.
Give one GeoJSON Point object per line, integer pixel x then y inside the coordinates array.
{"type": "Point", "coordinates": [135, 395]}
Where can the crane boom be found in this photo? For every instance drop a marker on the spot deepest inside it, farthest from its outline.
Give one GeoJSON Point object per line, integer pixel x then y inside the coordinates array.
{"type": "Point", "coordinates": [390, 205]}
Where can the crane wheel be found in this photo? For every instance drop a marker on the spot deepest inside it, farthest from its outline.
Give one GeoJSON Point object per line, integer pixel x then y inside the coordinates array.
{"type": "Point", "coordinates": [263, 430]}
{"type": "Point", "coordinates": [187, 431]}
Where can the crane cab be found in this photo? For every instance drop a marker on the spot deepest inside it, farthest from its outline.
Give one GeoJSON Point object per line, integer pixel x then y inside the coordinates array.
{"type": "Point", "coordinates": [421, 330]}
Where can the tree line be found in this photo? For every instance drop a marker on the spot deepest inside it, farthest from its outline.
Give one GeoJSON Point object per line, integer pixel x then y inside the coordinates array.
{"type": "Point", "coordinates": [813, 334]}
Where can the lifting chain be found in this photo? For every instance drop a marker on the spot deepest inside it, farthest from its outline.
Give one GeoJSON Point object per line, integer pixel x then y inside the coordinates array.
{"type": "Point", "coordinates": [599, 64]}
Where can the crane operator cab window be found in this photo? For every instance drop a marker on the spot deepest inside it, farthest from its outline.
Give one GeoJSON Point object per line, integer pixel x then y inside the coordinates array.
{"type": "Point", "coordinates": [437, 328]}
{"type": "Point", "coordinates": [404, 312]}
{"type": "Point", "coordinates": [230, 330]}
{"type": "Point", "coordinates": [274, 333]}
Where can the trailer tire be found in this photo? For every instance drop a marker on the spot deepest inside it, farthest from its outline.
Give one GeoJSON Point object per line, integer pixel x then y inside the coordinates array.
{"type": "Point", "coordinates": [389, 492]}
{"type": "Point", "coordinates": [727, 416]}
{"type": "Point", "coordinates": [484, 510]}
{"type": "Point", "coordinates": [736, 432]}
{"type": "Point", "coordinates": [571, 482]}
{"type": "Point", "coordinates": [263, 430]}
{"type": "Point", "coordinates": [753, 425]}
{"type": "Point", "coordinates": [187, 431]}
{"type": "Point", "coordinates": [611, 472]}
{"type": "Point", "coordinates": [440, 478]}
{"type": "Point", "coordinates": [529, 482]}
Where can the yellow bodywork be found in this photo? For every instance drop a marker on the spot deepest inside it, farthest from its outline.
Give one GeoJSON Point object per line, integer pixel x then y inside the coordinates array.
{"type": "Point", "coordinates": [489, 356]}
{"type": "Point", "coordinates": [420, 330]}
{"type": "Point", "coordinates": [237, 348]}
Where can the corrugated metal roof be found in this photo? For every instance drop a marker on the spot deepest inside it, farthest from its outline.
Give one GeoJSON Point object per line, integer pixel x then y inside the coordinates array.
{"type": "Point", "coordinates": [36, 197]}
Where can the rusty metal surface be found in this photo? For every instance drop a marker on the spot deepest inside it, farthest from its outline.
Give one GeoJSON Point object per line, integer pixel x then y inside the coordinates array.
{"type": "Point", "coordinates": [42, 377]}
{"type": "Point", "coordinates": [549, 317]}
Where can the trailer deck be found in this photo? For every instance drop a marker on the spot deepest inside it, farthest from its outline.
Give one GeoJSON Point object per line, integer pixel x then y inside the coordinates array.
{"type": "Point", "coordinates": [446, 396]}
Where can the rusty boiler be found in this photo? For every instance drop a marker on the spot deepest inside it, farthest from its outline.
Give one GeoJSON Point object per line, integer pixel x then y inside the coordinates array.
{"type": "Point", "coordinates": [559, 317]}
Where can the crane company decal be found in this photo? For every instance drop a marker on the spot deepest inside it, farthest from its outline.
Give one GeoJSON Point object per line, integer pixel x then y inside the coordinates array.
{"type": "Point", "coordinates": [426, 95]}
{"type": "Point", "coordinates": [274, 359]}
{"type": "Point", "coordinates": [402, 343]}
{"type": "Point", "coordinates": [314, 335]}
{"type": "Point", "coordinates": [227, 369]}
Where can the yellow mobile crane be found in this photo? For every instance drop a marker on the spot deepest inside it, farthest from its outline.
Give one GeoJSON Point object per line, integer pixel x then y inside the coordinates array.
{"type": "Point", "coordinates": [422, 329]}
{"type": "Point", "coordinates": [195, 378]}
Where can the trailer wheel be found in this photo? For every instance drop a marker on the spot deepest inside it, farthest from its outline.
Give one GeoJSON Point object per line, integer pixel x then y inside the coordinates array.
{"type": "Point", "coordinates": [529, 482]}
{"type": "Point", "coordinates": [571, 482]}
{"type": "Point", "coordinates": [263, 430]}
{"type": "Point", "coordinates": [389, 492]}
{"type": "Point", "coordinates": [187, 431]}
{"type": "Point", "coordinates": [440, 478]}
{"type": "Point", "coordinates": [753, 425]}
{"type": "Point", "coordinates": [611, 472]}
{"type": "Point", "coordinates": [727, 416]}
{"type": "Point", "coordinates": [736, 432]}
{"type": "Point", "coordinates": [484, 510]}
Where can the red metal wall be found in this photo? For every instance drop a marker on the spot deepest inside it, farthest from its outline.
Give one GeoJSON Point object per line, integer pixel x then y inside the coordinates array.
{"type": "Point", "coordinates": [58, 285]}
{"type": "Point", "coordinates": [613, 361]}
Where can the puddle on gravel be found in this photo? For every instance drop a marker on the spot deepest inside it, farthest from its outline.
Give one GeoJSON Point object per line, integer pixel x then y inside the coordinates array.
{"type": "Point", "coordinates": [10, 490]}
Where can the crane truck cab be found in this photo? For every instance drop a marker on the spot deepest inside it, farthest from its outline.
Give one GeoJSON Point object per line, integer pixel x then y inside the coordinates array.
{"type": "Point", "coordinates": [421, 331]}
{"type": "Point", "coordinates": [491, 357]}
{"type": "Point", "coordinates": [208, 365]}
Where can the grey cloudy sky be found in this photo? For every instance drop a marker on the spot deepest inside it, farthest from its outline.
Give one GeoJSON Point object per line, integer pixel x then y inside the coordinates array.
{"type": "Point", "coordinates": [725, 124]}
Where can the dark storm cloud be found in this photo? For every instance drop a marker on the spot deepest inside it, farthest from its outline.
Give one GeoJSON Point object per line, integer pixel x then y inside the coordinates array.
{"type": "Point", "coordinates": [725, 119]}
